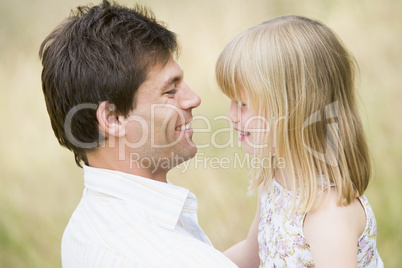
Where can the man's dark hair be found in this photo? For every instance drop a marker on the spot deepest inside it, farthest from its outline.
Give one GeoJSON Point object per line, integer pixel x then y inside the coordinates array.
{"type": "Point", "coordinates": [100, 53]}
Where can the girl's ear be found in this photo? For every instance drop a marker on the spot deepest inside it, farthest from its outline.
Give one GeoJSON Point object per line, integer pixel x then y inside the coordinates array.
{"type": "Point", "coordinates": [109, 121]}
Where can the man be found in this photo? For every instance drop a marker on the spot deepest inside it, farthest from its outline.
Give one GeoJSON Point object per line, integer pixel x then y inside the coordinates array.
{"type": "Point", "coordinates": [117, 99]}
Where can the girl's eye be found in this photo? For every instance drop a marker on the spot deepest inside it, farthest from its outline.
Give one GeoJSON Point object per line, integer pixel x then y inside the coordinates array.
{"type": "Point", "coordinates": [240, 104]}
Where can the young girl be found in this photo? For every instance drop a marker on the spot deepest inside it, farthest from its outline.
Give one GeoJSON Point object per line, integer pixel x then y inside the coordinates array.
{"type": "Point", "coordinates": [291, 82]}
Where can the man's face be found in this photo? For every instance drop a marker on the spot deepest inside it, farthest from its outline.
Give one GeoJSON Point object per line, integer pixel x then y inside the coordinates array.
{"type": "Point", "coordinates": [158, 128]}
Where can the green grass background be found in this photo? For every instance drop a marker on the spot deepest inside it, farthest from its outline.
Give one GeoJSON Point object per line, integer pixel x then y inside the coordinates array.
{"type": "Point", "coordinates": [40, 184]}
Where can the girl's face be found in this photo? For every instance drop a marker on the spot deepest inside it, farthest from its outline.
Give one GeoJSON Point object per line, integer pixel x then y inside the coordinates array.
{"type": "Point", "coordinates": [252, 127]}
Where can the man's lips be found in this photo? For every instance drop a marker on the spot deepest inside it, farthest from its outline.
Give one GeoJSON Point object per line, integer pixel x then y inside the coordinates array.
{"type": "Point", "coordinates": [183, 127]}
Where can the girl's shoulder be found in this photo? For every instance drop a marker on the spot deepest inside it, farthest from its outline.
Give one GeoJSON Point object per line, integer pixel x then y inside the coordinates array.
{"type": "Point", "coordinates": [331, 216]}
{"type": "Point", "coordinates": [332, 230]}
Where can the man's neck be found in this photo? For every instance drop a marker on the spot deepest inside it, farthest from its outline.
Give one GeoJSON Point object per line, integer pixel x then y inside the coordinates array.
{"type": "Point", "coordinates": [107, 160]}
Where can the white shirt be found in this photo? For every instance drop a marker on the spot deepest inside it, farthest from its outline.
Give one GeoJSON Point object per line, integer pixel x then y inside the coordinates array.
{"type": "Point", "coordinates": [124, 220]}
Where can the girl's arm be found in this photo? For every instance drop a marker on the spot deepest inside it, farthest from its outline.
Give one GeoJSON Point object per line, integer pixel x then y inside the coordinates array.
{"type": "Point", "coordinates": [332, 232]}
{"type": "Point", "coordinates": [245, 253]}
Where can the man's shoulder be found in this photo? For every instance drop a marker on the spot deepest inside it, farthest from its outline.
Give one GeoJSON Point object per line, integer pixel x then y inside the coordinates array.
{"type": "Point", "coordinates": [137, 246]}
{"type": "Point", "coordinates": [103, 225]}
{"type": "Point", "coordinates": [107, 231]}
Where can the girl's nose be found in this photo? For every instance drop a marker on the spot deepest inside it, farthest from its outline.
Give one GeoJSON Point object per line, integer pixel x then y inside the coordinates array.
{"type": "Point", "coordinates": [232, 114]}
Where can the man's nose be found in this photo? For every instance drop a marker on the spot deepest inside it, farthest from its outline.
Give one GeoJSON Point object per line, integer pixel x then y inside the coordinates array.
{"type": "Point", "coordinates": [190, 99]}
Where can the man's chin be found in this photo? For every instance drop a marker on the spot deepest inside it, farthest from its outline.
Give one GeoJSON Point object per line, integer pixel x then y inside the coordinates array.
{"type": "Point", "coordinates": [188, 155]}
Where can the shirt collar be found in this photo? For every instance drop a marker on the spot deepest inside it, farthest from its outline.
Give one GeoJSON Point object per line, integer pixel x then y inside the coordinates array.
{"type": "Point", "coordinates": [163, 201]}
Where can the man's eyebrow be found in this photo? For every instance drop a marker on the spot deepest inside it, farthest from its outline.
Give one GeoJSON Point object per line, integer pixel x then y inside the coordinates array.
{"type": "Point", "coordinates": [171, 81]}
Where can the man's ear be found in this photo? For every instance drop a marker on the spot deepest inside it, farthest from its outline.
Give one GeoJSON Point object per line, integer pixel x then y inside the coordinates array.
{"type": "Point", "coordinates": [110, 122]}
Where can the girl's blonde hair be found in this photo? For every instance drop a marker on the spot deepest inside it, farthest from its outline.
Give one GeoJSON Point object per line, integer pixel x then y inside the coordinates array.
{"type": "Point", "coordinates": [297, 72]}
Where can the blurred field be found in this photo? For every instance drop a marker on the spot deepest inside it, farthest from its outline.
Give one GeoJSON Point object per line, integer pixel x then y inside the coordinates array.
{"type": "Point", "coordinates": [40, 184]}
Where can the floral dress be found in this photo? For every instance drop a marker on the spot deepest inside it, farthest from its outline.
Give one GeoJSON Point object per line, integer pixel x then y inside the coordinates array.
{"type": "Point", "coordinates": [281, 240]}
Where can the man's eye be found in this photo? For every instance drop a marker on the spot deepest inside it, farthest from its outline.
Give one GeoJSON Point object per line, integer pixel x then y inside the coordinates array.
{"type": "Point", "coordinates": [171, 92]}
